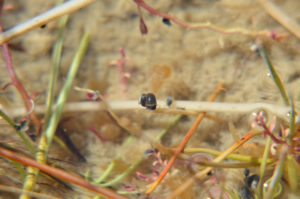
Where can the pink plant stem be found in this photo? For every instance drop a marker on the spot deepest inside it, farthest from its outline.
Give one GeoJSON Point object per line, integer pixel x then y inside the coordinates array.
{"type": "Point", "coordinates": [120, 66]}
{"type": "Point", "coordinates": [120, 63]}
{"type": "Point", "coordinates": [16, 82]}
{"type": "Point", "coordinates": [163, 15]}
{"type": "Point", "coordinates": [268, 132]}
{"type": "Point", "coordinates": [93, 130]}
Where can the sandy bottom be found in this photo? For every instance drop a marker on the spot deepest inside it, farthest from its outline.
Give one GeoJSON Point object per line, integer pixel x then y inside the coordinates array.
{"type": "Point", "coordinates": [168, 61]}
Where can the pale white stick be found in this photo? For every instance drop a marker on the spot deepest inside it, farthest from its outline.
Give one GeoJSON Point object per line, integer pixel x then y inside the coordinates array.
{"type": "Point", "coordinates": [39, 20]}
{"type": "Point", "coordinates": [190, 107]}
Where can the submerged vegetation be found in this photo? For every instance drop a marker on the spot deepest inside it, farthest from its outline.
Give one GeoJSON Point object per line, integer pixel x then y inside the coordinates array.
{"type": "Point", "coordinates": [101, 136]}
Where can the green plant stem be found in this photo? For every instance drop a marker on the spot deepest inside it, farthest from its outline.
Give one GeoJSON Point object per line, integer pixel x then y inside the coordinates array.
{"type": "Point", "coordinates": [278, 172]}
{"type": "Point", "coordinates": [136, 163]}
{"type": "Point", "coordinates": [165, 130]}
{"type": "Point", "coordinates": [112, 165]}
{"type": "Point", "coordinates": [107, 171]}
{"type": "Point", "coordinates": [56, 57]}
{"type": "Point", "coordinates": [123, 175]}
{"type": "Point", "coordinates": [29, 182]}
{"type": "Point", "coordinates": [263, 165]}
{"type": "Point", "coordinates": [20, 169]}
{"type": "Point", "coordinates": [62, 98]}
{"type": "Point", "coordinates": [48, 135]}
{"type": "Point", "coordinates": [229, 165]}
{"type": "Point", "coordinates": [292, 174]}
{"type": "Point", "coordinates": [292, 123]}
{"type": "Point", "coordinates": [22, 135]}
{"type": "Point", "coordinates": [276, 78]}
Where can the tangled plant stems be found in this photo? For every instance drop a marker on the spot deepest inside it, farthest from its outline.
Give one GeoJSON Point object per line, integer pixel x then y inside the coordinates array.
{"type": "Point", "coordinates": [16, 82]}
{"type": "Point", "coordinates": [134, 165]}
{"type": "Point", "coordinates": [27, 141]}
{"type": "Point", "coordinates": [56, 58]}
{"type": "Point", "coordinates": [171, 18]}
{"type": "Point", "coordinates": [183, 143]}
{"type": "Point", "coordinates": [218, 159]}
{"type": "Point", "coordinates": [58, 173]}
{"type": "Point", "coordinates": [190, 108]}
{"type": "Point", "coordinates": [288, 162]}
{"type": "Point", "coordinates": [73, 5]}
{"type": "Point", "coordinates": [48, 134]}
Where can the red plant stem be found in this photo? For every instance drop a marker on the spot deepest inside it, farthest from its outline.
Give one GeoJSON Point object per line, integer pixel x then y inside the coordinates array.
{"type": "Point", "coordinates": [16, 82]}
{"type": "Point", "coordinates": [58, 173]}
{"type": "Point", "coordinates": [265, 33]}
{"type": "Point", "coordinates": [180, 148]}
{"type": "Point", "coordinates": [163, 15]}
{"type": "Point", "coordinates": [268, 132]}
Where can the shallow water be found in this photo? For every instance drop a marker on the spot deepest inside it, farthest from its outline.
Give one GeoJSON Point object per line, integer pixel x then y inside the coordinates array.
{"type": "Point", "coordinates": [169, 61]}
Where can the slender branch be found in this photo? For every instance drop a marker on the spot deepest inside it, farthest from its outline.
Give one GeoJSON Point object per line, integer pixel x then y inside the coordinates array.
{"type": "Point", "coordinates": [42, 19]}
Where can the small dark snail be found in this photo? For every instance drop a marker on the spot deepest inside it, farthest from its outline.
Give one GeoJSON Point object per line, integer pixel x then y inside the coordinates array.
{"type": "Point", "coordinates": [250, 184]}
{"type": "Point", "coordinates": [166, 21]}
{"type": "Point", "coordinates": [169, 101]}
{"type": "Point", "coordinates": [148, 101]}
